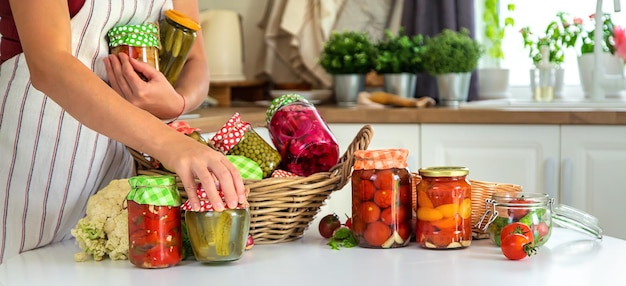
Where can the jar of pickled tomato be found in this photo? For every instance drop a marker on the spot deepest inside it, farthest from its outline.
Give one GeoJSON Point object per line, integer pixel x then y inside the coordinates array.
{"type": "Point", "coordinates": [217, 236]}
{"type": "Point", "coordinates": [154, 222]}
{"type": "Point", "coordinates": [381, 198]}
{"type": "Point", "coordinates": [238, 137]}
{"type": "Point", "coordinates": [140, 42]}
{"type": "Point", "coordinates": [178, 33]}
{"type": "Point", "coordinates": [301, 136]}
{"type": "Point", "coordinates": [444, 213]}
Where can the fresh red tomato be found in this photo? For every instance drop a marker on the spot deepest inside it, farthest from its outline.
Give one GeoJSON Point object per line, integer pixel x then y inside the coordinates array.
{"type": "Point", "coordinates": [518, 212]}
{"type": "Point", "coordinates": [348, 222]}
{"type": "Point", "coordinates": [517, 246]}
{"type": "Point", "coordinates": [328, 224]}
{"type": "Point", "coordinates": [518, 228]}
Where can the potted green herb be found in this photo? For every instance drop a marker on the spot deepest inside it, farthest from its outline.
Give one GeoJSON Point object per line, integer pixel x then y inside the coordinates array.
{"type": "Point", "coordinates": [451, 56]}
{"type": "Point", "coordinates": [493, 78]}
{"type": "Point", "coordinates": [399, 60]}
{"type": "Point", "coordinates": [348, 56]}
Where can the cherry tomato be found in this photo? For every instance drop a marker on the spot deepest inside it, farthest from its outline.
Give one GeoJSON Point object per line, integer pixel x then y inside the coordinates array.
{"type": "Point", "coordinates": [400, 216]}
{"type": "Point", "coordinates": [519, 228]}
{"type": "Point", "coordinates": [369, 211]}
{"type": "Point", "coordinates": [377, 233]}
{"type": "Point", "coordinates": [366, 190]}
{"type": "Point", "coordinates": [517, 246]}
{"type": "Point", "coordinates": [518, 212]}
{"type": "Point", "coordinates": [348, 223]}
{"type": "Point", "coordinates": [328, 224]}
{"type": "Point", "coordinates": [385, 179]}
{"type": "Point", "coordinates": [405, 195]}
{"type": "Point", "coordinates": [383, 198]}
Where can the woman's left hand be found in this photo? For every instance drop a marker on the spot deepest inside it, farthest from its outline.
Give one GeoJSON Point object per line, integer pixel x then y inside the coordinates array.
{"type": "Point", "coordinates": [152, 93]}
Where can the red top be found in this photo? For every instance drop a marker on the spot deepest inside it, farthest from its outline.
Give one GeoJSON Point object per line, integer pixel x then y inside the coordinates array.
{"type": "Point", "coordinates": [10, 42]}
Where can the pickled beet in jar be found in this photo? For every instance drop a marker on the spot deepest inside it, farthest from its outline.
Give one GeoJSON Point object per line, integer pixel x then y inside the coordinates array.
{"type": "Point", "coordinates": [301, 136]}
{"type": "Point", "coordinates": [444, 214]}
{"type": "Point", "coordinates": [381, 198]}
{"type": "Point", "coordinates": [154, 222]}
{"type": "Point", "coordinates": [140, 42]}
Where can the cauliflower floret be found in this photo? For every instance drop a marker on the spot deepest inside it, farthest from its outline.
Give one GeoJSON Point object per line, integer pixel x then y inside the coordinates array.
{"type": "Point", "coordinates": [104, 229]}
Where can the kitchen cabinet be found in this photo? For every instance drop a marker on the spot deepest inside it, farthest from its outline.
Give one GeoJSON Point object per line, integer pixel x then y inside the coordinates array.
{"type": "Point", "coordinates": [526, 155]}
{"type": "Point", "coordinates": [593, 163]}
{"type": "Point", "coordinates": [385, 136]}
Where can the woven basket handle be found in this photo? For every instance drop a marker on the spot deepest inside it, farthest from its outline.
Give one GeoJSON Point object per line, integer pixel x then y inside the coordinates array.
{"type": "Point", "coordinates": [343, 169]}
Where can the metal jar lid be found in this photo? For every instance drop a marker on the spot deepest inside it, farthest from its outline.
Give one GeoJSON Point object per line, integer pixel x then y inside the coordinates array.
{"type": "Point", "coordinates": [444, 171]}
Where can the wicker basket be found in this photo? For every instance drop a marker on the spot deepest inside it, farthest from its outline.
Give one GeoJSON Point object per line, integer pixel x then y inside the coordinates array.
{"type": "Point", "coordinates": [281, 209]}
{"type": "Point", "coordinates": [481, 191]}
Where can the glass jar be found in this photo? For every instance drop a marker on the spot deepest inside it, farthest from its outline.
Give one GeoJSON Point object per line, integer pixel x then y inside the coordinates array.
{"type": "Point", "coordinates": [154, 222]}
{"type": "Point", "coordinates": [217, 236]}
{"type": "Point", "coordinates": [237, 137]}
{"type": "Point", "coordinates": [444, 213]}
{"type": "Point", "coordinates": [381, 198]}
{"type": "Point", "coordinates": [536, 210]}
{"type": "Point", "coordinates": [140, 42]}
{"type": "Point", "coordinates": [178, 33]}
{"type": "Point", "coordinates": [301, 136]}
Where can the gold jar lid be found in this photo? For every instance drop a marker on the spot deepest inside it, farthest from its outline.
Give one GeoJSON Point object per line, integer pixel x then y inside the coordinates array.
{"type": "Point", "coordinates": [444, 171]}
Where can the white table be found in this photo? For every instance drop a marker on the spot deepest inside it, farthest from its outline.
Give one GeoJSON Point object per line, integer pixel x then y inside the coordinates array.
{"type": "Point", "coordinates": [569, 258]}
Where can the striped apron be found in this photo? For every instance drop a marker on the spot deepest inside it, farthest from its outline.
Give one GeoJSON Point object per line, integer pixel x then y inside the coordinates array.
{"type": "Point", "coordinates": [49, 163]}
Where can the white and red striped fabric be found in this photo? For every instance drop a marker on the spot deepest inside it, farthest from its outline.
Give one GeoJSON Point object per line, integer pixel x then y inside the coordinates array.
{"type": "Point", "coordinates": [49, 163]}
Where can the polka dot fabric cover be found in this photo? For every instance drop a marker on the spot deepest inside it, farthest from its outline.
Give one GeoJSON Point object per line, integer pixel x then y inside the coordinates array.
{"type": "Point", "coordinates": [205, 205]}
{"type": "Point", "coordinates": [230, 134]}
{"type": "Point", "coordinates": [144, 35]}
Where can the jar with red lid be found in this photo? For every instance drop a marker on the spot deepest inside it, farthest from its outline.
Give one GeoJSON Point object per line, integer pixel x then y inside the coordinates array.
{"type": "Point", "coordinates": [154, 222]}
{"type": "Point", "coordinates": [140, 42]}
{"type": "Point", "coordinates": [444, 208]}
{"type": "Point", "coordinates": [381, 198]}
{"type": "Point", "coordinates": [301, 136]}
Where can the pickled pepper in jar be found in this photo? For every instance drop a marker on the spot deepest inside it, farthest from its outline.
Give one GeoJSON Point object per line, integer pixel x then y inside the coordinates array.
{"type": "Point", "coordinates": [154, 222]}
{"type": "Point", "coordinates": [444, 213]}
{"type": "Point", "coordinates": [301, 136]}
{"type": "Point", "coordinates": [381, 198]}
{"type": "Point", "coordinates": [178, 33]}
{"type": "Point", "coordinates": [237, 137]}
{"type": "Point", "coordinates": [140, 42]}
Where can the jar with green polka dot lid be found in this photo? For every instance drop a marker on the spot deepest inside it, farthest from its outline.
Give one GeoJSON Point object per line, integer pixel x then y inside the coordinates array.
{"type": "Point", "coordinates": [301, 136]}
{"type": "Point", "coordinates": [238, 137]}
{"type": "Point", "coordinates": [140, 42]}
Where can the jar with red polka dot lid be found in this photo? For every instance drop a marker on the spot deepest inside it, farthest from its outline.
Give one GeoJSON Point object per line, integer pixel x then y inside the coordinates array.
{"type": "Point", "coordinates": [238, 137]}
{"type": "Point", "coordinates": [381, 198]}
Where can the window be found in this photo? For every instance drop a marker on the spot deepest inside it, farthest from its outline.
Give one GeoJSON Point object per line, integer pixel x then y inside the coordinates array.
{"type": "Point", "coordinates": [536, 14]}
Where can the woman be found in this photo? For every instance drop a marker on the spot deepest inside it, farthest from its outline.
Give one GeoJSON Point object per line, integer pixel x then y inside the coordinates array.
{"type": "Point", "coordinates": [68, 110]}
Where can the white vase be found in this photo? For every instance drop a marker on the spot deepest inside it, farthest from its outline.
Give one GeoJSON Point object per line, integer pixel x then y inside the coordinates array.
{"type": "Point", "coordinates": [493, 83]}
{"type": "Point", "coordinates": [613, 65]}
{"type": "Point", "coordinates": [559, 77]}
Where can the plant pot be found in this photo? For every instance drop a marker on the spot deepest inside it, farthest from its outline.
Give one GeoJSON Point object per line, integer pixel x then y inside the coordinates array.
{"type": "Point", "coordinates": [612, 66]}
{"type": "Point", "coordinates": [493, 83]}
{"type": "Point", "coordinates": [347, 88]}
{"type": "Point", "coordinates": [401, 84]}
{"type": "Point", "coordinates": [453, 88]}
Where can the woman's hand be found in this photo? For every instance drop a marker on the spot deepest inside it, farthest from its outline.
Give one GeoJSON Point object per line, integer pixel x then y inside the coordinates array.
{"type": "Point", "coordinates": [153, 93]}
{"type": "Point", "coordinates": [191, 160]}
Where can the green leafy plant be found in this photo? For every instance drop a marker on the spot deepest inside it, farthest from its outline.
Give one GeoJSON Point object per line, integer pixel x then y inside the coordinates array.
{"type": "Point", "coordinates": [399, 53]}
{"type": "Point", "coordinates": [558, 35]}
{"type": "Point", "coordinates": [585, 30]}
{"type": "Point", "coordinates": [495, 29]}
{"type": "Point", "coordinates": [451, 52]}
{"type": "Point", "coordinates": [348, 52]}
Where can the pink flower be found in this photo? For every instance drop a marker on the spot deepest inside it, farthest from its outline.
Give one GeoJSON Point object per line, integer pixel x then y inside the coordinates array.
{"type": "Point", "coordinates": [619, 37]}
{"type": "Point", "coordinates": [578, 21]}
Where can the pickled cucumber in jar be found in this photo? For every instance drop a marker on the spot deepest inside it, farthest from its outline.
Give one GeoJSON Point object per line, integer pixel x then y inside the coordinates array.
{"type": "Point", "coordinates": [178, 33]}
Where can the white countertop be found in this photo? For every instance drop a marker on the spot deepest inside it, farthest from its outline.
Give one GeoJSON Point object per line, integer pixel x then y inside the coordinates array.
{"type": "Point", "coordinates": [569, 258]}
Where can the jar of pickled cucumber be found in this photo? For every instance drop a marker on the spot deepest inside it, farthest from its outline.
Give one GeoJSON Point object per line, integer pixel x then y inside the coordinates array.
{"type": "Point", "coordinates": [178, 33]}
{"type": "Point", "coordinates": [140, 42]}
{"type": "Point", "coordinates": [154, 222]}
{"type": "Point", "coordinates": [444, 208]}
{"type": "Point", "coordinates": [238, 137]}
{"type": "Point", "coordinates": [381, 198]}
{"type": "Point", "coordinates": [301, 136]}
{"type": "Point", "coordinates": [217, 236]}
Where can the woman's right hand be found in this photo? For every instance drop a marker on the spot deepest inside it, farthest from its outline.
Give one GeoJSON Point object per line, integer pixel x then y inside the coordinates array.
{"type": "Point", "coordinates": [191, 160]}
